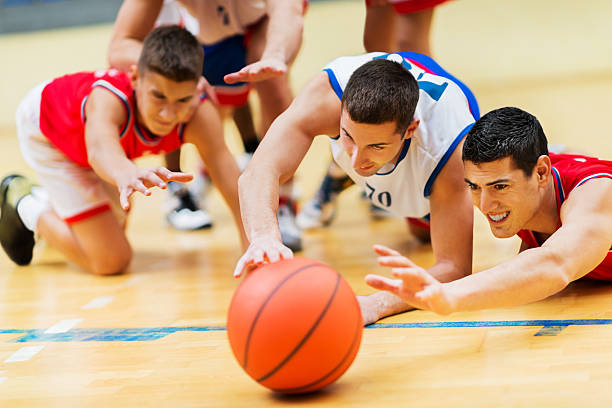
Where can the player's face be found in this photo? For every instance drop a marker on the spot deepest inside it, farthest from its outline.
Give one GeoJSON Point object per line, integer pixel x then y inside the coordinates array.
{"type": "Point", "coordinates": [504, 194]}
{"type": "Point", "coordinates": [370, 146]}
{"type": "Point", "coordinates": [163, 103]}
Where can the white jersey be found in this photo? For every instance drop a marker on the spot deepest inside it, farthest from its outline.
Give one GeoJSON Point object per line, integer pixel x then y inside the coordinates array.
{"type": "Point", "coordinates": [220, 19]}
{"type": "Point", "coordinates": [172, 12]}
{"type": "Point", "coordinates": [404, 187]}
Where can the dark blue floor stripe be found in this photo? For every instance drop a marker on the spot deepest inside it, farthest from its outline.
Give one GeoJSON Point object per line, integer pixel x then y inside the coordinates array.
{"type": "Point", "coordinates": [548, 328]}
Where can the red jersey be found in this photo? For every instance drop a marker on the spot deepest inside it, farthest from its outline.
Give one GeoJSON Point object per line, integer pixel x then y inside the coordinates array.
{"type": "Point", "coordinates": [62, 116]}
{"type": "Point", "coordinates": [570, 171]}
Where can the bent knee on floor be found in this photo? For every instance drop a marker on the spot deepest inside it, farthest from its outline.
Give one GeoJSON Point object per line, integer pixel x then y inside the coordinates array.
{"type": "Point", "coordinates": [113, 264]}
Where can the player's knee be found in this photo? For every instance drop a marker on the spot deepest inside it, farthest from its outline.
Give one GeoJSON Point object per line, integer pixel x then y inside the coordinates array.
{"type": "Point", "coordinates": [112, 265]}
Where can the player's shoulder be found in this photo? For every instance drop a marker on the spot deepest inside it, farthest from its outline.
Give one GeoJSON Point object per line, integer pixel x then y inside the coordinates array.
{"type": "Point", "coordinates": [351, 62]}
{"type": "Point", "coordinates": [574, 167]}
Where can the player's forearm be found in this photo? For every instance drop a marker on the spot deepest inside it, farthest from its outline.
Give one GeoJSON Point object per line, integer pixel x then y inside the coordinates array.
{"type": "Point", "coordinates": [284, 34]}
{"type": "Point", "coordinates": [108, 162]}
{"type": "Point", "coordinates": [124, 53]}
{"type": "Point", "coordinates": [532, 275]}
{"type": "Point", "coordinates": [258, 192]}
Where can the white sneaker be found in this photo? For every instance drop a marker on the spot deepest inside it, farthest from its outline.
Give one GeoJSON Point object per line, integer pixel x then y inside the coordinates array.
{"type": "Point", "coordinates": [201, 187]}
{"type": "Point", "coordinates": [291, 235]}
{"type": "Point", "coordinates": [315, 214]}
{"type": "Point", "coordinates": [182, 211]}
{"type": "Point", "coordinates": [320, 211]}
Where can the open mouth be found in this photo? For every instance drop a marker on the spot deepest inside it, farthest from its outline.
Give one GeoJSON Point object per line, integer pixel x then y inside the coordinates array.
{"type": "Point", "coordinates": [498, 218]}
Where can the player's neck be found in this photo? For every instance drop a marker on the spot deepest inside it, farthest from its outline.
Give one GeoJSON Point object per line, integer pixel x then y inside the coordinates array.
{"type": "Point", "coordinates": [546, 219]}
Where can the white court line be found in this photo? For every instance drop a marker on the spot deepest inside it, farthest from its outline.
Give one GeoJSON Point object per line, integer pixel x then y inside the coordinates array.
{"type": "Point", "coordinates": [24, 354]}
{"type": "Point", "coordinates": [63, 326]}
{"type": "Point", "coordinates": [3, 379]}
{"type": "Point", "coordinates": [98, 302]}
{"type": "Point", "coordinates": [132, 281]}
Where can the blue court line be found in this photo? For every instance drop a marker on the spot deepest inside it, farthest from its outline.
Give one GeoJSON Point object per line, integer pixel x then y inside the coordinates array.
{"type": "Point", "coordinates": [548, 328]}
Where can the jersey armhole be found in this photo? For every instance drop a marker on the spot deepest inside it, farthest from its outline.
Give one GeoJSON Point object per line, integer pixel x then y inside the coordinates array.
{"type": "Point", "coordinates": [333, 81]}
{"type": "Point", "coordinates": [116, 92]}
{"type": "Point", "coordinates": [444, 159]}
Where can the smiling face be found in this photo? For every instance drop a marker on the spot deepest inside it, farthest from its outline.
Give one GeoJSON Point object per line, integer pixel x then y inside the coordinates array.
{"type": "Point", "coordinates": [162, 103]}
{"type": "Point", "coordinates": [508, 198]}
{"type": "Point", "coordinates": [371, 146]}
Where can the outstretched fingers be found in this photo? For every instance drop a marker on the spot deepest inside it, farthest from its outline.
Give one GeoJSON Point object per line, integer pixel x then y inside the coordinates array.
{"type": "Point", "coordinates": [414, 279]}
{"type": "Point", "coordinates": [258, 255]}
{"type": "Point", "coordinates": [383, 283]}
{"type": "Point", "coordinates": [385, 251]}
{"type": "Point", "coordinates": [168, 175]}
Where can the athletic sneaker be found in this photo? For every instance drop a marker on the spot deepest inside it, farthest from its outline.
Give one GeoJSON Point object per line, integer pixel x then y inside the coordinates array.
{"type": "Point", "coordinates": [16, 239]}
{"type": "Point", "coordinates": [183, 211]}
{"type": "Point", "coordinates": [320, 210]}
{"type": "Point", "coordinates": [291, 235]}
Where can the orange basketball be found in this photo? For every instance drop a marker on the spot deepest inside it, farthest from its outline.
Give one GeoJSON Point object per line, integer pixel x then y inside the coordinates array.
{"type": "Point", "coordinates": [295, 325]}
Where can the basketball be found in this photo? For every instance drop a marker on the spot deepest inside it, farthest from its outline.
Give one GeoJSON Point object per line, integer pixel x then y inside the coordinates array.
{"type": "Point", "coordinates": [295, 325]}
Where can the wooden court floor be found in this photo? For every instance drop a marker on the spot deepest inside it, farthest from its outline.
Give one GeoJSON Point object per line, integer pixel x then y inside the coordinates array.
{"type": "Point", "coordinates": [155, 336]}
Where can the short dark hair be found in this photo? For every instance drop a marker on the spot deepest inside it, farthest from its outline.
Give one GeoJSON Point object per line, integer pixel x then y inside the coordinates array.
{"type": "Point", "coordinates": [381, 91]}
{"type": "Point", "coordinates": [172, 52]}
{"type": "Point", "coordinates": [506, 132]}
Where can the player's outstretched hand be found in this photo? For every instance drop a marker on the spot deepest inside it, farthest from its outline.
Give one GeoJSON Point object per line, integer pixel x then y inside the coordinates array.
{"type": "Point", "coordinates": [260, 251]}
{"type": "Point", "coordinates": [143, 179]}
{"type": "Point", "coordinates": [414, 284]}
{"type": "Point", "coordinates": [258, 71]}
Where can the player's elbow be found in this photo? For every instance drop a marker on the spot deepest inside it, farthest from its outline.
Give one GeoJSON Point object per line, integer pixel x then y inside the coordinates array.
{"type": "Point", "coordinates": [558, 270]}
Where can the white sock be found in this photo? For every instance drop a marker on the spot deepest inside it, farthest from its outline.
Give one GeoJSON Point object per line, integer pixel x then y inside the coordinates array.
{"type": "Point", "coordinates": [30, 208]}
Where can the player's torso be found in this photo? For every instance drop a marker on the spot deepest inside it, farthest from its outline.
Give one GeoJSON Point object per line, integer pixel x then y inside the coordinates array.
{"type": "Point", "coordinates": [219, 19]}
{"type": "Point", "coordinates": [404, 187]}
{"type": "Point", "coordinates": [570, 172]}
{"type": "Point", "coordinates": [62, 118]}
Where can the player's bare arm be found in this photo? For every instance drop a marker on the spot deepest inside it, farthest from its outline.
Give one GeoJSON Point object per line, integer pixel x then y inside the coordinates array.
{"type": "Point", "coordinates": [314, 111]}
{"type": "Point", "coordinates": [535, 273]}
{"type": "Point", "coordinates": [135, 20]}
{"type": "Point", "coordinates": [451, 238]}
{"type": "Point", "coordinates": [204, 130]}
{"type": "Point", "coordinates": [283, 37]}
{"type": "Point", "coordinates": [105, 115]}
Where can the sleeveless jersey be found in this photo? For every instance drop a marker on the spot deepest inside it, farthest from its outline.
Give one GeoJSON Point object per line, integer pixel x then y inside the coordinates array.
{"type": "Point", "coordinates": [219, 19]}
{"type": "Point", "coordinates": [446, 109]}
{"type": "Point", "coordinates": [570, 171]}
{"type": "Point", "coordinates": [62, 116]}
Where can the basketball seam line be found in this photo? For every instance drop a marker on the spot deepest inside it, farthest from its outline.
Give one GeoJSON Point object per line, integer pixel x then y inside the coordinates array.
{"type": "Point", "coordinates": [308, 334]}
{"type": "Point", "coordinates": [260, 311]}
{"type": "Point", "coordinates": [323, 378]}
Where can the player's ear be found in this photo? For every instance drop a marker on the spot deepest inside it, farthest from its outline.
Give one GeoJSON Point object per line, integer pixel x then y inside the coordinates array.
{"type": "Point", "coordinates": [542, 169]}
{"type": "Point", "coordinates": [411, 128]}
{"type": "Point", "coordinates": [134, 75]}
